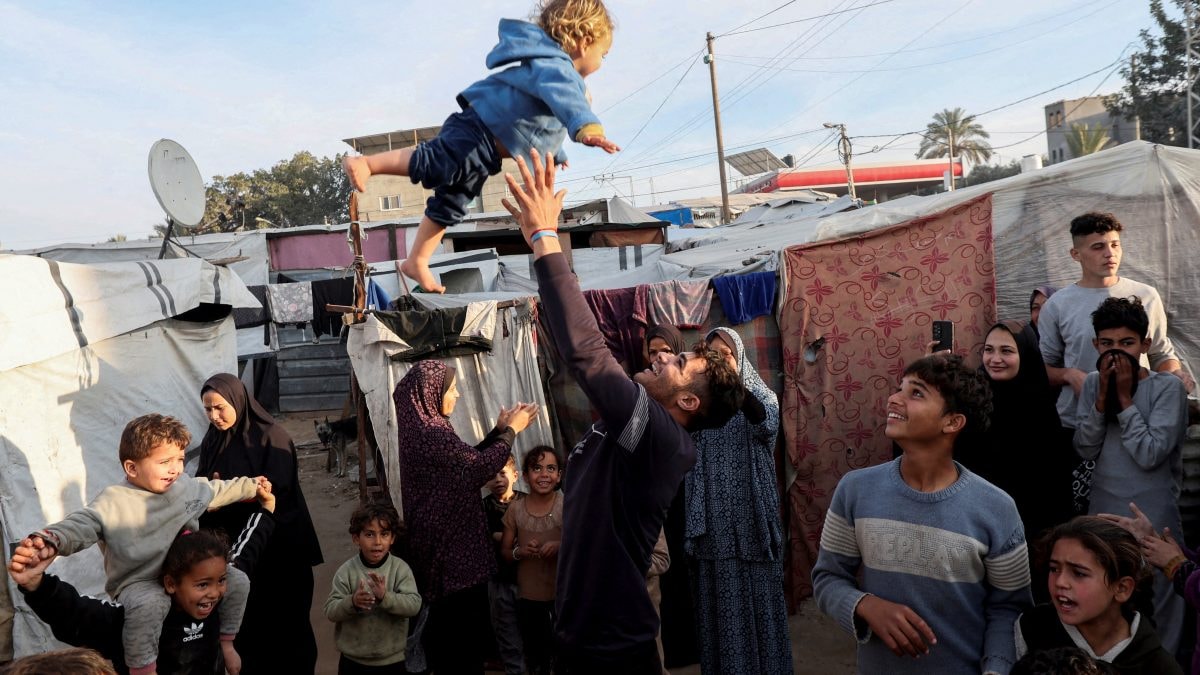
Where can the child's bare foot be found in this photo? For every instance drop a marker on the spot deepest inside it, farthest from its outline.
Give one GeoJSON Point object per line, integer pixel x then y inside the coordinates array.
{"type": "Point", "coordinates": [357, 171]}
{"type": "Point", "coordinates": [419, 272]}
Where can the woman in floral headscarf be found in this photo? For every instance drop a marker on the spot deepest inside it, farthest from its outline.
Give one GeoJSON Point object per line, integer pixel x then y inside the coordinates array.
{"type": "Point", "coordinates": [734, 536]}
{"type": "Point", "coordinates": [448, 546]}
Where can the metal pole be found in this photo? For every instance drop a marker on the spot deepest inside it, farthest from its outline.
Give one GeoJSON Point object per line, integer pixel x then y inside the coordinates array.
{"type": "Point", "coordinates": [712, 71]}
{"type": "Point", "coordinates": [1192, 99]}
{"type": "Point", "coordinates": [950, 131]}
{"type": "Point", "coordinates": [847, 153]}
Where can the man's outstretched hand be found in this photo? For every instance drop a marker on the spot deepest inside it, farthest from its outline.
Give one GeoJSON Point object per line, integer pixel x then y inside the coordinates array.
{"type": "Point", "coordinates": [537, 205]}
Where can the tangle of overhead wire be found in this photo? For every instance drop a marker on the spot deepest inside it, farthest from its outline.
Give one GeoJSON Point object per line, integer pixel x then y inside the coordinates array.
{"type": "Point", "coordinates": [976, 38]}
{"type": "Point", "coordinates": [810, 18]}
{"type": "Point", "coordinates": [654, 114]}
{"type": "Point", "coordinates": [733, 59]}
{"type": "Point", "coordinates": [746, 85]}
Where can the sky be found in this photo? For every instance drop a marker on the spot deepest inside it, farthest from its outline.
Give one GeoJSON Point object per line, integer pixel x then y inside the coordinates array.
{"type": "Point", "coordinates": [86, 88]}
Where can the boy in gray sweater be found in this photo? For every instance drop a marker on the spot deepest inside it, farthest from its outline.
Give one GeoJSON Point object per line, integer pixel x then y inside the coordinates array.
{"type": "Point", "coordinates": [136, 522]}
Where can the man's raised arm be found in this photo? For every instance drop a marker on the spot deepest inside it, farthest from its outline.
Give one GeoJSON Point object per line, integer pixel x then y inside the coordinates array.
{"type": "Point", "coordinates": [575, 332]}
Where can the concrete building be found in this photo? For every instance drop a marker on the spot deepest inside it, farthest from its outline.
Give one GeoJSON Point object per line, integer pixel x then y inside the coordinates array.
{"type": "Point", "coordinates": [395, 197]}
{"type": "Point", "coordinates": [1061, 116]}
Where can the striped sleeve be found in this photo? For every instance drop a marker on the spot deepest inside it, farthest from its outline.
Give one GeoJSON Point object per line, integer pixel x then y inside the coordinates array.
{"type": "Point", "coordinates": [838, 536]}
{"type": "Point", "coordinates": [1008, 571]}
{"type": "Point", "coordinates": [636, 426]}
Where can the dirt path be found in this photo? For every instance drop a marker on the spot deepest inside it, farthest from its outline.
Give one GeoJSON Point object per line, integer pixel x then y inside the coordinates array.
{"type": "Point", "coordinates": [819, 647]}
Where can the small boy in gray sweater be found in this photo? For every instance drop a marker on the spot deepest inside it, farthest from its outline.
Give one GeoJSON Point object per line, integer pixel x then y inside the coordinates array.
{"type": "Point", "coordinates": [136, 522]}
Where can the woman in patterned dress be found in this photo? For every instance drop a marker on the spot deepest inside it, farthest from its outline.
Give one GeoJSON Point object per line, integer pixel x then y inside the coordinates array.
{"type": "Point", "coordinates": [734, 535]}
{"type": "Point", "coordinates": [447, 543]}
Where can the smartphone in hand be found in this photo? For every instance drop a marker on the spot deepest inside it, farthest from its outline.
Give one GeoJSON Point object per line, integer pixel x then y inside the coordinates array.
{"type": "Point", "coordinates": [943, 335]}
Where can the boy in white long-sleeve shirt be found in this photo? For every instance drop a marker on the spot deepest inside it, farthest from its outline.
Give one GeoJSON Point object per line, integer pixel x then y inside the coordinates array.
{"type": "Point", "coordinates": [135, 523]}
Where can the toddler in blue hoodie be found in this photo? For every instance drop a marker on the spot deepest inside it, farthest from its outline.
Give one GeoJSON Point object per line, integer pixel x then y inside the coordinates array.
{"type": "Point", "coordinates": [531, 105]}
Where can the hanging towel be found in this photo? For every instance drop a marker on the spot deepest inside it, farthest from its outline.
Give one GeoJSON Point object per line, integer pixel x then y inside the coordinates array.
{"type": "Point", "coordinates": [377, 297]}
{"type": "Point", "coordinates": [683, 304]}
{"type": "Point", "coordinates": [439, 333]}
{"type": "Point", "coordinates": [290, 303]}
{"type": "Point", "coordinates": [330, 292]}
{"type": "Point", "coordinates": [746, 296]}
{"type": "Point", "coordinates": [621, 315]}
{"type": "Point", "coordinates": [249, 318]}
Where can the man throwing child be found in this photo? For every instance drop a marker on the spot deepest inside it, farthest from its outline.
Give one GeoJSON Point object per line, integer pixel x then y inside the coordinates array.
{"type": "Point", "coordinates": [621, 476]}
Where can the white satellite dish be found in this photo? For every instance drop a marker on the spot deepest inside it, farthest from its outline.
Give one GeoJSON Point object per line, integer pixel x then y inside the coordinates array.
{"type": "Point", "coordinates": [176, 183]}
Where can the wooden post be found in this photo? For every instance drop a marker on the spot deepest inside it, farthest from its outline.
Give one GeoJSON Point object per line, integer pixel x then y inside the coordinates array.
{"type": "Point", "coordinates": [360, 305]}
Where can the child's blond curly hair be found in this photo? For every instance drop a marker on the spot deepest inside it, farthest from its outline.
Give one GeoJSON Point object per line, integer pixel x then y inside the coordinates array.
{"type": "Point", "coordinates": [570, 22]}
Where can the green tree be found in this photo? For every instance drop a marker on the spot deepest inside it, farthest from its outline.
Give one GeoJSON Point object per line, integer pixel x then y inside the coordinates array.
{"type": "Point", "coordinates": [969, 137]}
{"type": "Point", "coordinates": [985, 173]}
{"type": "Point", "coordinates": [303, 190]}
{"type": "Point", "coordinates": [1082, 140]}
{"type": "Point", "coordinates": [1155, 80]}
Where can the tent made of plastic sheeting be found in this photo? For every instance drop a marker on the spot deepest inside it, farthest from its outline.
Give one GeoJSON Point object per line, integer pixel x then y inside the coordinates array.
{"type": "Point", "coordinates": [1154, 190]}
{"type": "Point", "coordinates": [53, 308]}
{"type": "Point", "coordinates": [86, 349]}
{"type": "Point", "coordinates": [246, 253]}
{"type": "Point", "coordinates": [486, 382]}
{"type": "Point", "coordinates": [774, 223]}
{"type": "Point", "coordinates": [606, 267]}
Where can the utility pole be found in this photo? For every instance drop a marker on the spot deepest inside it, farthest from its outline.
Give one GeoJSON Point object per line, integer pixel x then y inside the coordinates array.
{"type": "Point", "coordinates": [845, 153]}
{"type": "Point", "coordinates": [1190, 16]}
{"type": "Point", "coordinates": [1137, 119]}
{"type": "Point", "coordinates": [950, 132]}
{"type": "Point", "coordinates": [712, 71]}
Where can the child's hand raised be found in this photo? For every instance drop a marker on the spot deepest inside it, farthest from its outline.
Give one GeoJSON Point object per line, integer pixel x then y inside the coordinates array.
{"type": "Point", "coordinates": [262, 483]}
{"type": "Point", "coordinates": [28, 564]}
{"type": "Point", "coordinates": [900, 628]}
{"type": "Point", "coordinates": [601, 142]}
{"type": "Point", "coordinates": [265, 498]}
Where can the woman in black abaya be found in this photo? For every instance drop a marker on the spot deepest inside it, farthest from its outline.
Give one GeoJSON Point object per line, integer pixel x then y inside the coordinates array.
{"type": "Point", "coordinates": [244, 440]}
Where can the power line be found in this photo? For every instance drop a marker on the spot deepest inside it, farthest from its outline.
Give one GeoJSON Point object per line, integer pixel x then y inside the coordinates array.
{"type": "Point", "coordinates": [881, 62]}
{"type": "Point", "coordinates": [915, 66]}
{"type": "Point", "coordinates": [933, 127]}
{"type": "Point", "coordinates": [760, 17]}
{"type": "Point", "coordinates": [656, 111]}
{"type": "Point", "coordinates": [691, 57]}
{"type": "Point", "coordinates": [810, 18]}
{"type": "Point", "coordinates": [976, 38]}
{"type": "Point", "coordinates": [743, 87]}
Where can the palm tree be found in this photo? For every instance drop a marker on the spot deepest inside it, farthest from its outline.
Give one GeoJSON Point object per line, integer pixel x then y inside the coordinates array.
{"type": "Point", "coordinates": [1084, 141]}
{"type": "Point", "coordinates": [960, 126]}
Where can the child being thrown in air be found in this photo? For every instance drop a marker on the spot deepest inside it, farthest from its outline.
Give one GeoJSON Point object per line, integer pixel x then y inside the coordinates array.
{"type": "Point", "coordinates": [135, 524]}
{"type": "Point", "coordinates": [532, 104]}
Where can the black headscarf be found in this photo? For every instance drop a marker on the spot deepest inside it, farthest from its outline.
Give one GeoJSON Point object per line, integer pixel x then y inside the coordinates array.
{"type": "Point", "coordinates": [253, 428]}
{"type": "Point", "coordinates": [1023, 451]}
{"type": "Point", "coordinates": [668, 333]}
{"type": "Point", "coordinates": [258, 446]}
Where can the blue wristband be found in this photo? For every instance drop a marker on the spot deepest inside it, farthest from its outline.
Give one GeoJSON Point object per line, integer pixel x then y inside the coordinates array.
{"type": "Point", "coordinates": [543, 233]}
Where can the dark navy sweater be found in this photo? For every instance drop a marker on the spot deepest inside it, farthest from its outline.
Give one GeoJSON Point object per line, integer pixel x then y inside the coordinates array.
{"type": "Point", "coordinates": [620, 479]}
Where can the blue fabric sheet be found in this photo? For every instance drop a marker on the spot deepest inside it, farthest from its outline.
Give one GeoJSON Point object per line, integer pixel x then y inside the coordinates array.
{"type": "Point", "coordinates": [377, 296]}
{"type": "Point", "coordinates": [746, 296]}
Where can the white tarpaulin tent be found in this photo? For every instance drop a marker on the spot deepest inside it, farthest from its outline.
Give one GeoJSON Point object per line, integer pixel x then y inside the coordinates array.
{"type": "Point", "coordinates": [83, 350]}
{"type": "Point", "coordinates": [1153, 189]}
{"type": "Point", "coordinates": [486, 381]}
{"type": "Point", "coordinates": [246, 252]}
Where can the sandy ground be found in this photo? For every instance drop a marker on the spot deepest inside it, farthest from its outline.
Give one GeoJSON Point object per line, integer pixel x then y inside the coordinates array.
{"type": "Point", "coordinates": [819, 647]}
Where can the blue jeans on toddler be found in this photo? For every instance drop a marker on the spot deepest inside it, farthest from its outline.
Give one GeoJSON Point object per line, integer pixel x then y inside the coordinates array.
{"type": "Point", "coordinates": [455, 166]}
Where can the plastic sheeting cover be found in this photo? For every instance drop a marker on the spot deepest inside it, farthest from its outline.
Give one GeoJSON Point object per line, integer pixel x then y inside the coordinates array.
{"type": "Point", "coordinates": [61, 420]}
